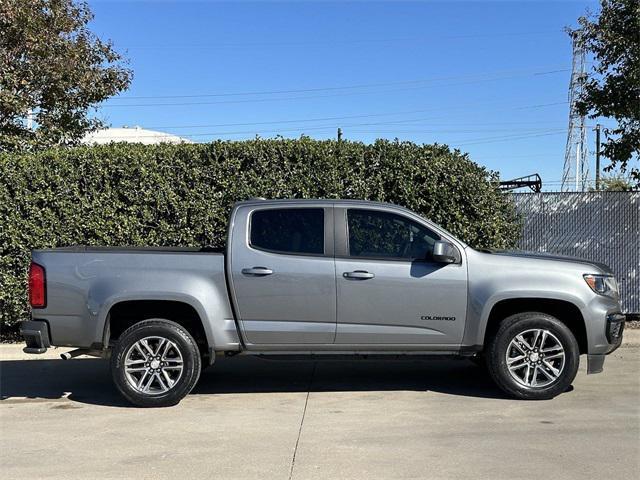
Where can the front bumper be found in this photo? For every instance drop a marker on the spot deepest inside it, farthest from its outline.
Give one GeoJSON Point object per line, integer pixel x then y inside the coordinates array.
{"type": "Point", "coordinates": [614, 330]}
{"type": "Point", "coordinates": [36, 336]}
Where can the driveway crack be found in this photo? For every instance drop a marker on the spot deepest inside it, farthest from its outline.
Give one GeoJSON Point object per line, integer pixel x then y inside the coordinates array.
{"type": "Point", "coordinates": [304, 413]}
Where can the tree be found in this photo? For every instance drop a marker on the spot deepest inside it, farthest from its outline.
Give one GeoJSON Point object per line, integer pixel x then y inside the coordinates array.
{"type": "Point", "coordinates": [612, 88]}
{"type": "Point", "coordinates": [52, 71]}
{"type": "Point", "coordinates": [615, 183]}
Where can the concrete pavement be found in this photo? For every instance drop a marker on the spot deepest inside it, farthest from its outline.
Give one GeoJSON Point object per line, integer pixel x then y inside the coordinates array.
{"type": "Point", "coordinates": [252, 418]}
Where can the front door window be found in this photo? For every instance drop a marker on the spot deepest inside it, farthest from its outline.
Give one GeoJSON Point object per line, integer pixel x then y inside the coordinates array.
{"type": "Point", "coordinates": [387, 236]}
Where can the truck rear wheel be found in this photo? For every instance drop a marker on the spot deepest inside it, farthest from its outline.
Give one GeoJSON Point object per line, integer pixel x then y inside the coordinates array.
{"type": "Point", "coordinates": [155, 363]}
{"type": "Point", "coordinates": [533, 356]}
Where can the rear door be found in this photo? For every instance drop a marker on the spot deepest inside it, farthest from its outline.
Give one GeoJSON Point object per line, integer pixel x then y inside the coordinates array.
{"type": "Point", "coordinates": [283, 273]}
{"type": "Point", "coordinates": [390, 291]}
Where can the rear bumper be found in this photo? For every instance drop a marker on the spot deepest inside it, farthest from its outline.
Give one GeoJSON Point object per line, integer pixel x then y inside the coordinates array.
{"type": "Point", "coordinates": [36, 336]}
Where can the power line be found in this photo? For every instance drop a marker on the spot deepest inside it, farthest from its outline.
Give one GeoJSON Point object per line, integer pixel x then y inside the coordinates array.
{"type": "Point", "coordinates": [509, 155]}
{"type": "Point", "coordinates": [349, 87]}
{"type": "Point", "coordinates": [453, 130]}
{"type": "Point", "coordinates": [275, 122]}
{"type": "Point", "coordinates": [331, 128]}
{"type": "Point", "coordinates": [369, 115]}
{"type": "Point", "coordinates": [542, 105]}
{"type": "Point", "coordinates": [262, 100]}
{"type": "Point", "coordinates": [341, 42]}
{"type": "Point", "coordinates": [301, 120]}
{"type": "Point", "coordinates": [484, 140]}
{"type": "Point", "coordinates": [324, 127]}
{"type": "Point", "coordinates": [509, 138]}
{"type": "Point", "coordinates": [431, 120]}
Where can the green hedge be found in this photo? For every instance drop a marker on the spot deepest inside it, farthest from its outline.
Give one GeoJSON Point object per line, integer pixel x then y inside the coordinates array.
{"type": "Point", "coordinates": [125, 194]}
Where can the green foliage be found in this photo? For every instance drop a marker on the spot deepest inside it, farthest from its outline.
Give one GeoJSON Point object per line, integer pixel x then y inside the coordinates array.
{"type": "Point", "coordinates": [53, 66]}
{"type": "Point", "coordinates": [131, 194]}
{"type": "Point", "coordinates": [613, 87]}
{"type": "Point", "coordinates": [615, 183]}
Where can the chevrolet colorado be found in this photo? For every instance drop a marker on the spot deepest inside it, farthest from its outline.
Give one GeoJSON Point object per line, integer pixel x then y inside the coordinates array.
{"type": "Point", "coordinates": [323, 278]}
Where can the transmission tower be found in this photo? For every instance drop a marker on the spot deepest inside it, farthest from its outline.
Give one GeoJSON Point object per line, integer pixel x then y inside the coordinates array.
{"type": "Point", "coordinates": [576, 156]}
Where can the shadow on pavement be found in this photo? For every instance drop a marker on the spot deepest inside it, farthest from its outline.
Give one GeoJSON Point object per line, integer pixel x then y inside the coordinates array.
{"type": "Point", "coordinates": [89, 380]}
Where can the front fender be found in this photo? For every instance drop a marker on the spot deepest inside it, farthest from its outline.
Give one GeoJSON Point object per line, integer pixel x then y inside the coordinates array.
{"type": "Point", "coordinates": [481, 312]}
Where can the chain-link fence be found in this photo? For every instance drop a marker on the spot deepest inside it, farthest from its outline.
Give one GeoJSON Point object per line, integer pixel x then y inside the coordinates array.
{"type": "Point", "coordinates": [597, 226]}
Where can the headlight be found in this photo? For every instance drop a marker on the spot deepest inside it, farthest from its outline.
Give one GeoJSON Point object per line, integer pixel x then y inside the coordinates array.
{"type": "Point", "coordinates": [602, 284]}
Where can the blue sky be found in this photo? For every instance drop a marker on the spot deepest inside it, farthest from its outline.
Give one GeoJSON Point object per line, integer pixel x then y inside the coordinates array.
{"type": "Point", "coordinates": [490, 78]}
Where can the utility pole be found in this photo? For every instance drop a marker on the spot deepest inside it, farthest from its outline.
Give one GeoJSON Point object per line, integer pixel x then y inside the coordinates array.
{"type": "Point", "coordinates": [597, 156]}
{"type": "Point", "coordinates": [339, 134]}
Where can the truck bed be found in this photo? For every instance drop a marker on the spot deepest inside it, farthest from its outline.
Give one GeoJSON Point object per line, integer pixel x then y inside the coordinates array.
{"type": "Point", "coordinates": [84, 283]}
{"type": "Point", "coordinates": [89, 248]}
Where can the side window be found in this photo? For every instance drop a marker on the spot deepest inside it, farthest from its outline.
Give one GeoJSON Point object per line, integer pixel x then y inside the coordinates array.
{"type": "Point", "coordinates": [378, 234]}
{"type": "Point", "coordinates": [288, 230]}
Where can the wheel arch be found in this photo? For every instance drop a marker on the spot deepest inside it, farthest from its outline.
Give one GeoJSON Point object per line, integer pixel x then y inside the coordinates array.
{"type": "Point", "coordinates": [123, 313]}
{"type": "Point", "coordinates": [565, 311]}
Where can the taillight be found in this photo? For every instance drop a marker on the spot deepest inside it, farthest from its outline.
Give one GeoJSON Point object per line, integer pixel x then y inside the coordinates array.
{"type": "Point", "coordinates": [37, 286]}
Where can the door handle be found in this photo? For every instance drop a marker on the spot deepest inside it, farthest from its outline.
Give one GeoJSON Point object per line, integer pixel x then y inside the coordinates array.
{"type": "Point", "coordinates": [257, 271]}
{"type": "Point", "coordinates": [359, 275]}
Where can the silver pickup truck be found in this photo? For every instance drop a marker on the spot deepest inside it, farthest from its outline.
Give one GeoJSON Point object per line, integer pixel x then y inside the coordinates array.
{"type": "Point", "coordinates": [323, 278]}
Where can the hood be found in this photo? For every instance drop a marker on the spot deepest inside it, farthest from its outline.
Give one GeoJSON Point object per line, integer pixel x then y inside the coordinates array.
{"type": "Point", "coordinates": [548, 256]}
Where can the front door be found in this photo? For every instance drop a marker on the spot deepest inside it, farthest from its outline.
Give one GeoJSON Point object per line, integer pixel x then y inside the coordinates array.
{"type": "Point", "coordinates": [283, 275]}
{"type": "Point", "coordinates": [389, 289]}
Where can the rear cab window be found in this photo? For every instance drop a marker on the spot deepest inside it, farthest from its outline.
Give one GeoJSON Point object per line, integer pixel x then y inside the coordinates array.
{"type": "Point", "coordinates": [293, 231]}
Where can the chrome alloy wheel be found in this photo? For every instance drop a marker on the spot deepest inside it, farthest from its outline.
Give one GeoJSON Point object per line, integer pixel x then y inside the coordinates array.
{"type": "Point", "coordinates": [535, 358]}
{"type": "Point", "coordinates": [153, 365]}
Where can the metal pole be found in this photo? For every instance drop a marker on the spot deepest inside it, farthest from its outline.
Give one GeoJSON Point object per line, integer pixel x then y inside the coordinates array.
{"type": "Point", "coordinates": [597, 156]}
{"type": "Point", "coordinates": [339, 134]}
{"type": "Point", "coordinates": [578, 172]}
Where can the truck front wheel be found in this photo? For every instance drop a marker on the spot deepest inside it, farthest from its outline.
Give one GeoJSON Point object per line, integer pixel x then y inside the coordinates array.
{"type": "Point", "coordinates": [155, 363]}
{"type": "Point", "coordinates": [533, 356]}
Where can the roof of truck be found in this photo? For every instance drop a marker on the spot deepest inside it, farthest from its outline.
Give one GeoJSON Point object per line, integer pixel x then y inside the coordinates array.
{"type": "Point", "coordinates": [327, 201]}
{"type": "Point", "coordinates": [263, 201]}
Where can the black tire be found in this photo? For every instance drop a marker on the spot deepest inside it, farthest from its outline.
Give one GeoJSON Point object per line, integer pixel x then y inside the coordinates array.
{"type": "Point", "coordinates": [184, 349]}
{"type": "Point", "coordinates": [527, 322]}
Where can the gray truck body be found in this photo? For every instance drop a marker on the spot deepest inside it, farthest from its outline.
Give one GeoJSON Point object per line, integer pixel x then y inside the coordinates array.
{"type": "Point", "coordinates": [255, 301]}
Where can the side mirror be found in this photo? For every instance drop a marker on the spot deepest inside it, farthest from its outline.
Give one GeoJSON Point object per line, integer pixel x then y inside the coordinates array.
{"type": "Point", "coordinates": [445, 252]}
